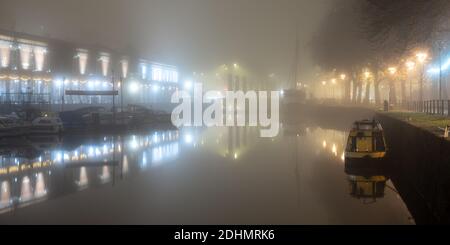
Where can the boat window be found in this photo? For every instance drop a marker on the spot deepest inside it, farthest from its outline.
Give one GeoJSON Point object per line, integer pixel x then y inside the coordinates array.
{"type": "Point", "coordinates": [360, 144]}
{"type": "Point", "coordinates": [379, 142]}
{"type": "Point", "coordinates": [364, 144]}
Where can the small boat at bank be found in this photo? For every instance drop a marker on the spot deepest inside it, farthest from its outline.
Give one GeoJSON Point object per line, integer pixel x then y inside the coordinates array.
{"type": "Point", "coordinates": [46, 125]}
{"type": "Point", "coordinates": [366, 143]}
{"type": "Point", "coordinates": [10, 126]}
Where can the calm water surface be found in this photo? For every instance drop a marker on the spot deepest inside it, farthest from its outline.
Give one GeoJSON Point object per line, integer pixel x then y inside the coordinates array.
{"type": "Point", "coordinates": [191, 176]}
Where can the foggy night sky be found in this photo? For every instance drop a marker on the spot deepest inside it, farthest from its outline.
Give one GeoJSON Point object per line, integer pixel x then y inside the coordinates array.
{"type": "Point", "coordinates": [193, 34]}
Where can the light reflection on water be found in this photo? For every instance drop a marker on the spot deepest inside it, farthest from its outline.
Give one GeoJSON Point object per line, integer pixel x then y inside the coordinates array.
{"type": "Point", "coordinates": [303, 165]}
{"type": "Point", "coordinates": [27, 170]}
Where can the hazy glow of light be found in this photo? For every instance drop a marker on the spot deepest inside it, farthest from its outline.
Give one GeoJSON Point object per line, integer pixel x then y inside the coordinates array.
{"type": "Point", "coordinates": [410, 65]}
{"type": "Point", "coordinates": [162, 153]}
{"type": "Point", "coordinates": [82, 61]}
{"type": "Point", "coordinates": [39, 57]}
{"type": "Point", "coordinates": [155, 138]}
{"type": "Point", "coordinates": [26, 192]}
{"type": "Point", "coordinates": [125, 167]}
{"type": "Point", "coordinates": [5, 53]}
{"type": "Point", "coordinates": [40, 190]}
{"type": "Point", "coordinates": [188, 85]}
{"type": "Point", "coordinates": [334, 150]}
{"type": "Point", "coordinates": [106, 176]}
{"type": "Point", "coordinates": [343, 156]}
{"type": "Point", "coordinates": [155, 88]}
{"type": "Point", "coordinates": [134, 87]}
{"type": "Point", "coordinates": [124, 64]}
{"type": "Point", "coordinates": [133, 143]}
{"type": "Point", "coordinates": [91, 84]}
{"type": "Point", "coordinates": [392, 70]}
{"type": "Point", "coordinates": [422, 57]}
{"type": "Point", "coordinates": [144, 160]}
{"type": "Point", "coordinates": [104, 59]}
{"type": "Point", "coordinates": [5, 194]}
{"type": "Point", "coordinates": [157, 74]}
{"type": "Point", "coordinates": [436, 70]}
{"type": "Point", "coordinates": [83, 180]}
{"type": "Point", "coordinates": [25, 56]}
{"type": "Point", "coordinates": [144, 71]}
{"type": "Point", "coordinates": [324, 144]}
{"type": "Point", "coordinates": [188, 139]}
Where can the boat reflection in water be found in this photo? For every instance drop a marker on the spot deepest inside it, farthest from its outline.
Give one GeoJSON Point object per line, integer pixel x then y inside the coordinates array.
{"type": "Point", "coordinates": [366, 182]}
{"type": "Point", "coordinates": [35, 169]}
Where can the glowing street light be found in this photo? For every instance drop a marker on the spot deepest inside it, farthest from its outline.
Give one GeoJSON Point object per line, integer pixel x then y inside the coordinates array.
{"type": "Point", "coordinates": [343, 76]}
{"type": "Point", "coordinates": [422, 57]}
{"type": "Point", "coordinates": [410, 65]}
{"type": "Point", "coordinates": [324, 83]}
{"type": "Point", "coordinates": [134, 87]}
{"type": "Point", "coordinates": [392, 70]}
{"type": "Point", "coordinates": [188, 85]}
{"type": "Point", "coordinates": [367, 74]}
{"type": "Point", "coordinates": [333, 81]}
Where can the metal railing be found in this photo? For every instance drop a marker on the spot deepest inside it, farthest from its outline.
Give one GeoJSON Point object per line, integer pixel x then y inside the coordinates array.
{"type": "Point", "coordinates": [431, 107]}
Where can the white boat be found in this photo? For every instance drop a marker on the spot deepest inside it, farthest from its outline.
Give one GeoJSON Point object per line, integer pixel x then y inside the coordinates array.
{"type": "Point", "coordinates": [47, 125]}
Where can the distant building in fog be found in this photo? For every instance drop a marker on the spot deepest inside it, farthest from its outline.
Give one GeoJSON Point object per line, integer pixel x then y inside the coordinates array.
{"type": "Point", "coordinates": [37, 70]}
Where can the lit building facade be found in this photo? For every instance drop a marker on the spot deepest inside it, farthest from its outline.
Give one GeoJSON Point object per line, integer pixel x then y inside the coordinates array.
{"type": "Point", "coordinates": [36, 70]}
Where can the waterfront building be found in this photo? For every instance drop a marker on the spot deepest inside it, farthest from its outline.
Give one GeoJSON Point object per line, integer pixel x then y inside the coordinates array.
{"type": "Point", "coordinates": [39, 71]}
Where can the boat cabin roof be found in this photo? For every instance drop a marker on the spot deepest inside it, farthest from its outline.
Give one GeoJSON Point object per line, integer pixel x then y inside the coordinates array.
{"type": "Point", "coordinates": [366, 125]}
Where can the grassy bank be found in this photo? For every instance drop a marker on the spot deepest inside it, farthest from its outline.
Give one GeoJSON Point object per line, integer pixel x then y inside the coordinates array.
{"type": "Point", "coordinates": [432, 123]}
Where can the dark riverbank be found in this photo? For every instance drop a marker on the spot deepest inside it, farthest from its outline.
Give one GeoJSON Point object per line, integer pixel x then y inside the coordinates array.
{"type": "Point", "coordinates": [420, 163]}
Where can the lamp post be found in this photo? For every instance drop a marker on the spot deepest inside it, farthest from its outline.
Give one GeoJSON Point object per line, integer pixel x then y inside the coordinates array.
{"type": "Point", "coordinates": [333, 84]}
{"type": "Point", "coordinates": [343, 86]}
{"type": "Point", "coordinates": [392, 71]}
{"type": "Point", "coordinates": [421, 58]}
{"type": "Point", "coordinates": [410, 65]}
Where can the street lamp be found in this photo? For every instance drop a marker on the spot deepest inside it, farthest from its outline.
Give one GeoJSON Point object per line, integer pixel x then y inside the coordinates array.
{"type": "Point", "coordinates": [392, 70]}
{"type": "Point", "coordinates": [421, 58]}
{"type": "Point", "coordinates": [410, 66]}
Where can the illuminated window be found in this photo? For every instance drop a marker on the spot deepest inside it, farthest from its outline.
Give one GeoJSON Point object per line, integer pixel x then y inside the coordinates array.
{"type": "Point", "coordinates": [39, 57]}
{"type": "Point", "coordinates": [124, 64]}
{"type": "Point", "coordinates": [82, 60]}
{"type": "Point", "coordinates": [157, 74]}
{"type": "Point", "coordinates": [144, 71]}
{"type": "Point", "coordinates": [104, 60]}
{"type": "Point", "coordinates": [5, 53]}
{"type": "Point", "coordinates": [25, 55]}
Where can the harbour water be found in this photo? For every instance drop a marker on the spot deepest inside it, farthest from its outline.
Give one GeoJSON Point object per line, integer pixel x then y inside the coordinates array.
{"type": "Point", "coordinates": [191, 176]}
